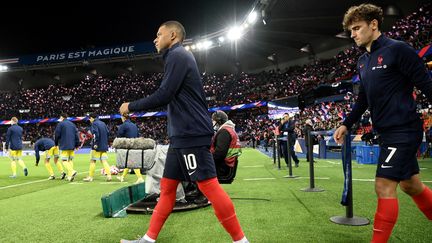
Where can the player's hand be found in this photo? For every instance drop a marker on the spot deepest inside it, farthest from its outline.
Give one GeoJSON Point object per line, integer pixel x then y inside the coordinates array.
{"type": "Point", "coordinates": [124, 108]}
{"type": "Point", "coordinates": [340, 133]}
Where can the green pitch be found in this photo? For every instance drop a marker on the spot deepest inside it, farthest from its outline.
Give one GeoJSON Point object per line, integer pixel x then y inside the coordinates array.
{"type": "Point", "coordinates": [271, 208]}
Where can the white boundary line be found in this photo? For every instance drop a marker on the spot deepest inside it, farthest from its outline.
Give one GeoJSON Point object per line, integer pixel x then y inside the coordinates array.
{"type": "Point", "coordinates": [252, 166]}
{"type": "Point", "coordinates": [113, 182]}
{"type": "Point", "coordinates": [259, 179]}
{"type": "Point", "coordinates": [331, 162]}
{"type": "Point", "coordinates": [31, 182]}
{"type": "Point", "coordinates": [363, 179]}
{"type": "Point", "coordinates": [318, 178]}
{"type": "Point", "coordinates": [22, 184]}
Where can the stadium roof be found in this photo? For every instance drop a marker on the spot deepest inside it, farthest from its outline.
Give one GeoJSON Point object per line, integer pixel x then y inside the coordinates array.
{"type": "Point", "coordinates": [42, 27]}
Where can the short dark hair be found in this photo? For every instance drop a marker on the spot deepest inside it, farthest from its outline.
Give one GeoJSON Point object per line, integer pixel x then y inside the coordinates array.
{"type": "Point", "coordinates": [366, 12]}
{"type": "Point", "coordinates": [181, 32]}
{"type": "Point", "coordinates": [220, 117]}
{"type": "Point", "coordinates": [64, 115]}
{"type": "Point", "coordinates": [93, 115]}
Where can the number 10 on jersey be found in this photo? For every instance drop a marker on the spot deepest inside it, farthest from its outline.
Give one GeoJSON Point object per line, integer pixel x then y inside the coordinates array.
{"type": "Point", "coordinates": [190, 161]}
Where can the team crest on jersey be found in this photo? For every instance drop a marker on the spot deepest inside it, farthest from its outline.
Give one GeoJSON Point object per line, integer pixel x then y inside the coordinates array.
{"type": "Point", "coordinates": [380, 63]}
{"type": "Point", "coordinates": [380, 60]}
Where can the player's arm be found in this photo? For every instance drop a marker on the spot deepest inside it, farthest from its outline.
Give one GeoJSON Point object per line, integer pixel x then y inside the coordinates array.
{"type": "Point", "coordinates": [175, 70]}
{"type": "Point", "coordinates": [95, 132]}
{"type": "Point", "coordinates": [223, 141]}
{"type": "Point", "coordinates": [107, 132]}
{"type": "Point", "coordinates": [36, 148]}
{"type": "Point", "coordinates": [281, 127]}
{"type": "Point", "coordinates": [57, 134]}
{"type": "Point", "coordinates": [414, 69]}
{"type": "Point", "coordinates": [77, 140]}
{"type": "Point", "coordinates": [291, 126]}
{"type": "Point", "coordinates": [8, 134]}
{"type": "Point", "coordinates": [359, 108]}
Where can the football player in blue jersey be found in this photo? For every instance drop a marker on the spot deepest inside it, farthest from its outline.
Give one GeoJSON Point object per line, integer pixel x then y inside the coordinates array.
{"type": "Point", "coordinates": [190, 131]}
{"type": "Point", "coordinates": [389, 70]}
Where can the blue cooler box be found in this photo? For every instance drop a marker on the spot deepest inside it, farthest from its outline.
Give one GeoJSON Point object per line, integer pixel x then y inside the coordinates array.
{"type": "Point", "coordinates": [367, 154]}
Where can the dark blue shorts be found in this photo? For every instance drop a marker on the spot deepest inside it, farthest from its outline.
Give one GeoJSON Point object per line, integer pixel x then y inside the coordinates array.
{"type": "Point", "coordinates": [189, 164]}
{"type": "Point", "coordinates": [398, 160]}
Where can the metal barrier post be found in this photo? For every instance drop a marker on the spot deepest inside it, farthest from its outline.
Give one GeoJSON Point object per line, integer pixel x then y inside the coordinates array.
{"type": "Point", "coordinates": [312, 187]}
{"type": "Point", "coordinates": [278, 152]}
{"type": "Point", "coordinates": [290, 174]}
{"type": "Point", "coordinates": [349, 218]}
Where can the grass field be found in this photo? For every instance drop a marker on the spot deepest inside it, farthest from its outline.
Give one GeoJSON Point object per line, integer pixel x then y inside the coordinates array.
{"type": "Point", "coordinates": [271, 208]}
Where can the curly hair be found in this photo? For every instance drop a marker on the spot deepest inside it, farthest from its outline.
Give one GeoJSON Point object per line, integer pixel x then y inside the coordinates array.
{"type": "Point", "coordinates": [366, 12]}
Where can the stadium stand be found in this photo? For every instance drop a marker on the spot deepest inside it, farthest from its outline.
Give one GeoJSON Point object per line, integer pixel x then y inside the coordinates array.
{"type": "Point", "coordinates": [106, 93]}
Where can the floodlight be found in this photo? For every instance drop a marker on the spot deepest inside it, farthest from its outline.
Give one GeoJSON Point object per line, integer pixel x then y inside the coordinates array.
{"type": "Point", "coordinates": [252, 17]}
{"type": "Point", "coordinates": [235, 33]}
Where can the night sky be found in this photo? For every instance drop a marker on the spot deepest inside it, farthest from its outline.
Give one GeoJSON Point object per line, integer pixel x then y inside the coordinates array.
{"type": "Point", "coordinates": [41, 26]}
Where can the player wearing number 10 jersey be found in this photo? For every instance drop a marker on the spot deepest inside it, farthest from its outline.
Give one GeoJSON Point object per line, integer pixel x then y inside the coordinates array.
{"type": "Point", "coordinates": [190, 132]}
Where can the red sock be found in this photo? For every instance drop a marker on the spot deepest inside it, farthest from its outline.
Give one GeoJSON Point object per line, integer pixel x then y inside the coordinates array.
{"type": "Point", "coordinates": [424, 202]}
{"type": "Point", "coordinates": [223, 207]}
{"type": "Point", "coordinates": [385, 219]}
{"type": "Point", "coordinates": [164, 207]}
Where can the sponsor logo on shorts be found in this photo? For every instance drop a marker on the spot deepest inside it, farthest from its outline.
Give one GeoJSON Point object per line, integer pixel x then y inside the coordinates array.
{"type": "Point", "coordinates": [191, 173]}
{"type": "Point", "coordinates": [386, 166]}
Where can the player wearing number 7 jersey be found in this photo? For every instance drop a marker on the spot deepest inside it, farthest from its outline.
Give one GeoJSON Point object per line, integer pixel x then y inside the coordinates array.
{"type": "Point", "coordinates": [388, 72]}
{"type": "Point", "coordinates": [190, 132]}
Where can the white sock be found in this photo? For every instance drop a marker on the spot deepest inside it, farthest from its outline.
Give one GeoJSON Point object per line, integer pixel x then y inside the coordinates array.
{"type": "Point", "coordinates": [243, 240]}
{"type": "Point", "coordinates": [147, 238]}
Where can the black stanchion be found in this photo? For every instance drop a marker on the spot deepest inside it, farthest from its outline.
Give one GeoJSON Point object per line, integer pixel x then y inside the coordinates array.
{"type": "Point", "coordinates": [278, 152]}
{"type": "Point", "coordinates": [290, 174]}
{"type": "Point", "coordinates": [312, 187]}
{"type": "Point", "coordinates": [349, 218]}
{"type": "Point", "coordinates": [274, 151]}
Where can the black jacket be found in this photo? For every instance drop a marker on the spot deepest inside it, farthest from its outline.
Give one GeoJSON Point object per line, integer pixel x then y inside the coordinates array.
{"type": "Point", "coordinates": [287, 130]}
{"type": "Point", "coordinates": [388, 75]}
{"type": "Point", "coordinates": [189, 122]}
